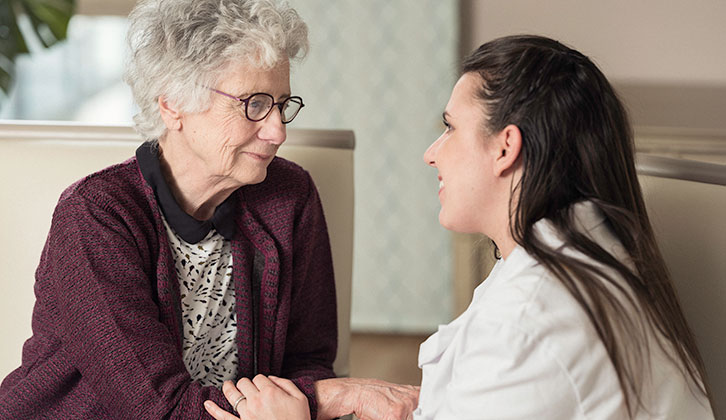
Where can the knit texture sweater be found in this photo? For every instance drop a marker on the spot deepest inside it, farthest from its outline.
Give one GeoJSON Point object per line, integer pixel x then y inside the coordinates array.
{"type": "Point", "coordinates": [107, 333]}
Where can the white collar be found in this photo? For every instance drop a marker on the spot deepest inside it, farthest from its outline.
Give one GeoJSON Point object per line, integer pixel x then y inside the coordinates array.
{"type": "Point", "coordinates": [587, 218]}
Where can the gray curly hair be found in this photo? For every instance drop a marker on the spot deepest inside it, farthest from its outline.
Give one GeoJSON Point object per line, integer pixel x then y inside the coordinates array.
{"type": "Point", "coordinates": [179, 47]}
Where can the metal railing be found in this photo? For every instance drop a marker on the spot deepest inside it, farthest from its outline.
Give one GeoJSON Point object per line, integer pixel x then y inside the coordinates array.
{"type": "Point", "coordinates": [689, 170]}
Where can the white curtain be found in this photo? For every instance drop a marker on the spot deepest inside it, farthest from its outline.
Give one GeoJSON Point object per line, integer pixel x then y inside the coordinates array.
{"type": "Point", "coordinates": [385, 69]}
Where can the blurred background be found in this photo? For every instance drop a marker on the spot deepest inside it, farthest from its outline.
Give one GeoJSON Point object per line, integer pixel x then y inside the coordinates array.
{"type": "Point", "coordinates": [385, 69]}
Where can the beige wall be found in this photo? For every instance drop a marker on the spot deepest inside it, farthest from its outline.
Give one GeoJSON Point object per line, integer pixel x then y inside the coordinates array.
{"type": "Point", "coordinates": [667, 57]}
{"type": "Point", "coordinates": [104, 7]}
{"type": "Point", "coordinates": [645, 40]}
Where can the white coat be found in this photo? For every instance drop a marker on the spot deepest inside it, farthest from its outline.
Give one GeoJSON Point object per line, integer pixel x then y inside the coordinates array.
{"type": "Point", "coordinates": [525, 349]}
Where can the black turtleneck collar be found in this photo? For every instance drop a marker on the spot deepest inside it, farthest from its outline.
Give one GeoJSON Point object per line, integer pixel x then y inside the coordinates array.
{"type": "Point", "coordinates": [189, 228]}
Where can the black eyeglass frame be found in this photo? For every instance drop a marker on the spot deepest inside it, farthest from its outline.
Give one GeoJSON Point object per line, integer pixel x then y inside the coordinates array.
{"type": "Point", "coordinates": [280, 105]}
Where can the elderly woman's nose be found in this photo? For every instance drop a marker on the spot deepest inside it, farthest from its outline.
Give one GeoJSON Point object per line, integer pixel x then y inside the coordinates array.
{"type": "Point", "coordinates": [273, 130]}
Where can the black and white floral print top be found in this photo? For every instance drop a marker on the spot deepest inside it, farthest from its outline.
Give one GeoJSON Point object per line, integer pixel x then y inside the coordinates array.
{"type": "Point", "coordinates": [203, 261]}
{"type": "Point", "coordinates": [204, 270]}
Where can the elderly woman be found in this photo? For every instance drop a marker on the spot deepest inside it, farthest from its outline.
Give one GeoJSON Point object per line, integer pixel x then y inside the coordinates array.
{"type": "Point", "coordinates": [578, 319]}
{"type": "Point", "coordinates": [204, 258]}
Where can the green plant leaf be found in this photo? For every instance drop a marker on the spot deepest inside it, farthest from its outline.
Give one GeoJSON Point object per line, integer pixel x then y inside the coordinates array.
{"type": "Point", "coordinates": [49, 21]}
{"type": "Point", "coordinates": [49, 18]}
{"type": "Point", "coordinates": [11, 44]}
{"type": "Point", "coordinates": [5, 80]}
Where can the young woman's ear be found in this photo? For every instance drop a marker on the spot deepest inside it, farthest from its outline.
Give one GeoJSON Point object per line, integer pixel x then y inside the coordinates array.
{"type": "Point", "coordinates": [508, 145]}
{"type": "Point", "coordinates": [172, 117]}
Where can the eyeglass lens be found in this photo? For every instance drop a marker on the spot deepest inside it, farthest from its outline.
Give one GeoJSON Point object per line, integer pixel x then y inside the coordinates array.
{"type": "Point", "coordinates": [259, 105]}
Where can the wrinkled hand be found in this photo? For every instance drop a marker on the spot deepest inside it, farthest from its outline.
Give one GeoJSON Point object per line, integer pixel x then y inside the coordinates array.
{"type": "Point", "coordinates": [368, 399]}
{"type": "Point", "coordinates": [266, 398]}
{"type": "Point", "coordinates": [380, 400]}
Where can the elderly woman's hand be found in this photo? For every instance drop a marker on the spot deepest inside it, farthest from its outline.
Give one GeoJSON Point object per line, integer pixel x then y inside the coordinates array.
{"type": "Point", "coordinates": [368, 399]}
{"type": "Point", "coordinates": [263, 398]}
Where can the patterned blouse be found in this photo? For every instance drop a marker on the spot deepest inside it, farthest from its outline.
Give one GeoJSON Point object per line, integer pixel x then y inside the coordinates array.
{"type": "Point", "coordinates": [203, 263]}
{"type": "Point", "coordinates": [204, 271]}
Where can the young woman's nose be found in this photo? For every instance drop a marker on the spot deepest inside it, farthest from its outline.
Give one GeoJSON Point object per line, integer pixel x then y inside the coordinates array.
{"type": "Point", "coordinates": [430, 154]}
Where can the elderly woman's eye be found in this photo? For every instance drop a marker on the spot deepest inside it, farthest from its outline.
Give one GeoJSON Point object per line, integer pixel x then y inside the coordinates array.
{"type": "Point", "coordinates": [256, 104]}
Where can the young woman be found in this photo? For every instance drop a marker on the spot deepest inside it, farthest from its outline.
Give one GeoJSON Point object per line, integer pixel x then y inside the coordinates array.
{"type": "Point", "coordinates": [579, 318]}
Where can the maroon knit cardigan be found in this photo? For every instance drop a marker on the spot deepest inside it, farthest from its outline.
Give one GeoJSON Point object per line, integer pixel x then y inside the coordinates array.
{"type": "Point", "coordinates": [107, 334]}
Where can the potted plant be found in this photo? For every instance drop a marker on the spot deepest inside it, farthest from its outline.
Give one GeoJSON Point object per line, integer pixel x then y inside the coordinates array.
{"type": "Point", "coordinates": [48, 20]}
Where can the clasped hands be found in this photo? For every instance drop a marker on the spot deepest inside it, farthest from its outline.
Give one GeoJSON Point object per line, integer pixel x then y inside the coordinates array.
{"type": "Point", "coordinates": [273, 398]}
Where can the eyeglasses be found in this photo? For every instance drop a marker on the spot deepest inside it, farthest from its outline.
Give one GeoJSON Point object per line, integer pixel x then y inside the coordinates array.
{"type": "Point", "coordinates": [259, 105]}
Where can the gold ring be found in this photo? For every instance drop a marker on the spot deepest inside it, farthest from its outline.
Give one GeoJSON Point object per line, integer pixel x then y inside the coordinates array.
{"type": "Point", "coordinates": [236, 403]}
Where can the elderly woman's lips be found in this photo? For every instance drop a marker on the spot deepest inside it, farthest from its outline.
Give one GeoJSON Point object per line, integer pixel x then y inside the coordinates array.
{"type": "Point", "coordinates": [259, 156]}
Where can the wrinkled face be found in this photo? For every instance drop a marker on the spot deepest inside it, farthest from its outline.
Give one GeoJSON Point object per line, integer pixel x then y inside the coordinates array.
{"type": "Point", "coordinates": [463, 158]}
{"type": "Point", "coordinates": [232, 149]}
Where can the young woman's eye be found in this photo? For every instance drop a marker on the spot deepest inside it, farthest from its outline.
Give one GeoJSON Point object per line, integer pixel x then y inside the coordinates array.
{"type": "Point", "coordinates": [447, 126]}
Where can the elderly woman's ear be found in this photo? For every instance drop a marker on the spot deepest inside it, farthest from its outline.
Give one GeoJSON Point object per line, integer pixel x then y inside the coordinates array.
{"type": "Point", "coordinates": [171, 117]}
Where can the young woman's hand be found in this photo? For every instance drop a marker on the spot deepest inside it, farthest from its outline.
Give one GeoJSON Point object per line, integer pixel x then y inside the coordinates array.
{"type": "Point", "coordinates": [263, 398]}
{"type": "Point", "coordinates": [273, 398]}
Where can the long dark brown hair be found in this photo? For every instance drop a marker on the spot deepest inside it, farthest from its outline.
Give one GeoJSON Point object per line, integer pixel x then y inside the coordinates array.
{"type": "Point", "coordinates": [577, 144]}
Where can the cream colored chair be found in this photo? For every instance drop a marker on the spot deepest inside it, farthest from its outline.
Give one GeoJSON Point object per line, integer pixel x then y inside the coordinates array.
{"type": "Point", "coordinates": [39, 160]}
{"type": "Point", "coordinates": [686, 202]}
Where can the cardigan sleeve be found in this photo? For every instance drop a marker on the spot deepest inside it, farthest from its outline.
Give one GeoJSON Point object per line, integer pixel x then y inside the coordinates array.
{"type": "Point", "coordinates": [95, 274]}
{"type": "Point", "coordinates": [312, 335]}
